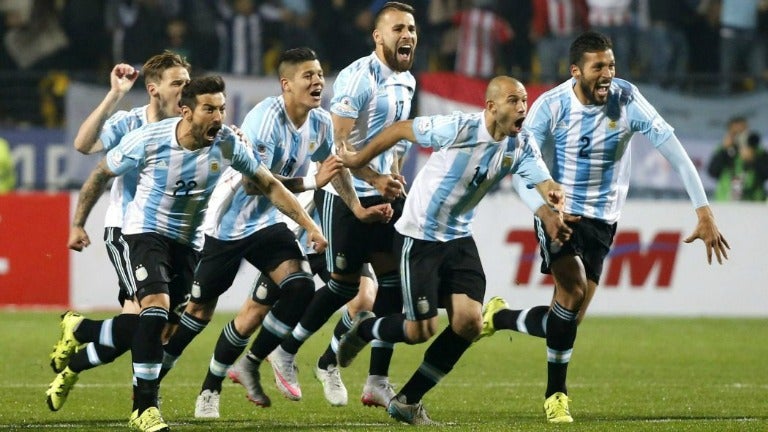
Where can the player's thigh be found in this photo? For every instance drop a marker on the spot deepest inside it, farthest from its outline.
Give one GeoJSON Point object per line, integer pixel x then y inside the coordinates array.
{"type": "Point", "coordinates": [420, 261]}
{"type": "Point", "coordinates": [218, 266]}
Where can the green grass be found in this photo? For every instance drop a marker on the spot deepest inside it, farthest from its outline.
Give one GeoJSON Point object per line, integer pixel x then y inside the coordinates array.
{"type": "Point", "coordinates": [626, 374]}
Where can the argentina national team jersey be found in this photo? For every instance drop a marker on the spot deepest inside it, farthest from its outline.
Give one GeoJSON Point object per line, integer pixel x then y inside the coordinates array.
{"type": "Point", "coordinates": [123, 187]}
{"type": "Point", "coordinates": [286, 150]}
{"type": "Point", "coordinates": [375, 96]}
{"type": "Point", "coordinates": [590, 145]}
{"type": "Point", "coordinates": [466, 163]}
{"type": "Point", "coordinates": [174, 183]}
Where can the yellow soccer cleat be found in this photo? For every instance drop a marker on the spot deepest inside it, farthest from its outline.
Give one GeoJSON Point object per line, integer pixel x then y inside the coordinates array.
{"type": "Point", "coordinates": [67, 344]}
{"type": "Point", "coordinates": [59, 389]}
{"type": "Point", "coordinates": [489, 310]}
{"type": "Point", "coordinates": [556, 408]}
{"type": "Point", "coordinates": [149, 421]}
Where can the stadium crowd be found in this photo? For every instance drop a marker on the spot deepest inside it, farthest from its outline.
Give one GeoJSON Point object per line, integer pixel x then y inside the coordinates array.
{"type": "Point", "coordinates": [685, 45]}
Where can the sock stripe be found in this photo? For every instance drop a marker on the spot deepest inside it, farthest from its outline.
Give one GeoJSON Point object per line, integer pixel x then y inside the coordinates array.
{"type": "Point", "coordinates": [275, 326]}
{"type": "Point", "coordinates": [556, 356]}
{"type": "Point", "coordinates": [193, 323]}
{"type": "Point", "coordinates": [233, 337]}
{"type": "Point", "coordinates": [564, 313]}
{"type": "Point", "coordinates": [295, 276]}
{"type": "Point", "coordinates": [376, 343]}
{"type": "Point", "coordinates": [521, 327]}
{"type": "Point", "coordinates": [346, 319]}
{"type": "Point", "coordinates": [389, 280]}
{"type": "Point", "coordinates": [146, 371]}
{"type": "Point", "coordinates": [432, 373]}
{"type": "Point", "coordinates": [347, 291]}
{"type": "Point", "coordinates": [154, 311]}
{"type": "Point", "coordinates": [93, 355]}
{"type": "Point", "coordinates": [300, 333]}
{"type": "Point", "coordinates": [105, 335]}
{"type": "Point", "coordinates": [217, 368]}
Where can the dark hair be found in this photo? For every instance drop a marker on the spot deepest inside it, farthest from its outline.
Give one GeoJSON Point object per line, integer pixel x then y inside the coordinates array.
{"type": "Point", "coordinates": [588, 42]}
{"type": "Point", "coordinates": [199, 86]}
{"type": "Point", "coordinates": [736, 119]}
{"type": "Point", "coordinates": [157, 64]}
{"type": "Point", "coordinates": [402, 7]}
{"type": "Point", "coordinates": [753, 140]}
{"type": "Point", "coordinates": [292, 57]}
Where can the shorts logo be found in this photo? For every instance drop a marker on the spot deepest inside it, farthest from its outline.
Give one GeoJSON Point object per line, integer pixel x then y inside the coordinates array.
{"type": "Point", "coordinates": [341, 262]}
{"type": "Point", "coordinates": [422, 305]}
{"type": "Point", "coordinates": [261, 291]}
{"type": "Point", "coordinates": [141, 273]}
{"type": "Point", "coordinates": [196, 292]}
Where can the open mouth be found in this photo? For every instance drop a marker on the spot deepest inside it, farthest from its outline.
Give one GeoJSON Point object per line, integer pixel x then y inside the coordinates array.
{"type": "Point", "coordinates": [404, 52]}
{"type": "Point", "coordinates": [519, 124]}
{"type": "Point", "coordinates": [212, 132]}
{"type": "Point", "coordinates": [316, 93]}
{"type": "Point", "coordinates": [602, 89]}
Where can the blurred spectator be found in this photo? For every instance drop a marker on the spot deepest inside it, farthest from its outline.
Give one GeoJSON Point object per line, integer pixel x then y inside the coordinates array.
{"type": "Point", "coordinates": [740, 44]}
{"type": "Point", "coordinates": [207, 32]}
{"type": "Point", "coordinates": [704, 41]}
{"type": "Point", "coordinates": [90, 42]}
{"type": "Point", "coordinates": [517, 53]}
{"type": "Point", "coordinates": [481, 31]}
{"type": "Point", "coordinates": [298, 29]}
{"type": "Point", "coordinates": [177, 40]}
{"type": "Point", "coordinates": [34, 39]}
{"type": "Point", "coordinates": [614, 19]}
{"type": "Point", "coordinates": [661, 43]}
{"type": "Point", "coordinates": [445, 35]}
{"type": "Point", "coordinates": [555, 24]}
{"type": "Point", "coordinates": [138, 28]}
{"type": "Point", "coordinates": [345, 28]}
{"type": "Point", "coordinates": [740, 165]}
{"type": "Point", "coordinates": [244, 44]}
{"type": "Point", "coordinates": [7, 170]}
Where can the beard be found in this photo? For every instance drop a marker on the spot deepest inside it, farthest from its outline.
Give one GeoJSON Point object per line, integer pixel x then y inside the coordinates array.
{"type": "Point", "coordinates": [589, 91]}
{"type": "Point", "coordinates": [390, 56]}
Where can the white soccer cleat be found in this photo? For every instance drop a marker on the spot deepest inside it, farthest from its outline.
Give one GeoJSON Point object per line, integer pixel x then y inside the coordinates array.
{"type": "Point", "coordinates": [377, 391]}
{"type": "Point", "coordinates": [286, 379]}
{"type": "Point", "coordinates": [207, 404]}
{"type": "Point", "coordinates": [333, 387]}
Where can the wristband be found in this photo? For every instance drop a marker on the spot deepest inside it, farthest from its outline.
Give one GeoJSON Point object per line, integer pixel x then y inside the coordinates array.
{"type": "Point", "coordinates": [310, 183]}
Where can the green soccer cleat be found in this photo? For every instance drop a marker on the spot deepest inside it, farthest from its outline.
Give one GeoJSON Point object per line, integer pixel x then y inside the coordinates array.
{"type": "Point", "coordinates": [59, 389]}
{"type": "Point", "coordinates": [149, 421]}
{"type": "Point", "coordinates": [556, 408]}
{"type": "Point", "coordinates": [68, 343]}
{"type": "Point", "coordinates": [494, 305]}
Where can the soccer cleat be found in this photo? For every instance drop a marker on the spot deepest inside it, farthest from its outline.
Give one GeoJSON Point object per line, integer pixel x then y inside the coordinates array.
{"type": "Point", "coordinates": [414, 414]}
{"type": "Point", "coordinates": [246, 373]}
{"type": "Point", "coordinates": [149, 421]}
{"type": "Point", "coordinates": [350, 343]}
{"type": "Point", "coordinates": [556, 408]}
{"type": "Point", "coordinates": [333, 387]}
{"type": "Point", "coordinates": [377, 391]}
{"type": "Point", "coordinates": [67, 344]}
{"type": "Point", "coordinates": [489, 310]}
{"type": "Point", "coordinates": [59, 389]}
{"type": "Point", "coordinates": [285, 370]}
{"type": "Point", "coordinates": [207, 404]}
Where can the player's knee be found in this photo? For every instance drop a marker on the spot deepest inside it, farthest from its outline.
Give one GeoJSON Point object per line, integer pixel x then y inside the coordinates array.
{"type": "Point", "coordinates": [298, 287]}
{"type": "Point", "coordinates": [468, 326]}
{"type": "Point", "coordinates": [420, 331]}
{"type": "Point", "coordinates": [203, 310]}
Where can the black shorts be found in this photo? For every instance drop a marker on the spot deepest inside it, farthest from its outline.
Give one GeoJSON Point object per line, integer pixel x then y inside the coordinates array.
{"type": "Point", "coordinates": [350, 241]}
{"type": "Point", "coordinates": [591, 240]}
{"type": "Point", "coordinates": [265, 291]}
{"type": "Point", "coordinates": [265, 249]}
{"type": "Point", "coordinates": [162, 266]}
{"type": "Point", "coordinates": [117, 250]}
{"type": "Point", "coordinates": [431, 271]}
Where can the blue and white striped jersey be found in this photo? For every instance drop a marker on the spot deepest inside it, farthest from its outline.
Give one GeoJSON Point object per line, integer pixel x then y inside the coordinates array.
{"type": "Point", "coordinates": [466, 163]}
{"type": "Point", "coordinates": [375, 96]}
{"type": "Point", "coordinates": [589, 145]}
{"type": "Point", "coordinates": [123, 187]}
{"type": "Point", "coordinates": [174, 183]}
{"type": "Point", "coordinates": [286, 150]}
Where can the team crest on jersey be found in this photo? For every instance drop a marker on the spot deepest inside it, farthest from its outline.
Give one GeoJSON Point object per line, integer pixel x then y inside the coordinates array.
{"type": "Point", "coordinates": [341, 262]}
{"type": "Point", "coordinates": [161, 164]}
{"type": "Point", "coordinates": [612, 124]}
{"type": "Point", "coordinates": [423, 125]}
{"type": "Point", "coordinates": [506, 161]}
{"type": "Point", "coordinates": [312, 146]}
{"type": "Point", "coordinates": [215, 166]}
{"type": "Point", "coordinates": [422, 305]}
{"type": "Point", "coordinates": [141, 273]}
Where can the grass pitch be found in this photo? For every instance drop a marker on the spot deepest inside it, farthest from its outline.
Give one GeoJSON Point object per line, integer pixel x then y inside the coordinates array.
{"type": "Point", "coordinates": [626, 374]}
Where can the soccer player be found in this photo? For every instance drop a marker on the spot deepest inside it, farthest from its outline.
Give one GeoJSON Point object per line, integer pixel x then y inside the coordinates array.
{"type": "Point", "coordinates": [289, 133]}
{"type": "Point", "coordinates": [589, 121]}
{"type": "Point", "coordinates": [164, 75]}
{"type": "Point", "coordinates": [179, 161]}
{"type": "Point", "coordinates": [369, 94]}
{"type": "Point", "coordinates": [440, 265]}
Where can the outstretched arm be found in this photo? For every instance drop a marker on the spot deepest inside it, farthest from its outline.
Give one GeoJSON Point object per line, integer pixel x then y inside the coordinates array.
{"type": "Point", "coordinates": [90, 192]}
{"type": "Point", "coordinates": [121, 80]}
{"type": "Point", "coordinates": [287, 203]}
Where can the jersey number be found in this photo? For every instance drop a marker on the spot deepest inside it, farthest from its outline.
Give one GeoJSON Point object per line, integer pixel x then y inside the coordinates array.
{"type": "Point", "coordinates": [481, 173]}
{"type": "Point", "coordinates": [399, 109]}
{"type": "Point", "coordinates": [584, 147]}
{"type": "Point", "coordinates": [184, 188]}
{"type": "Point", "coordinates": [288, 167]}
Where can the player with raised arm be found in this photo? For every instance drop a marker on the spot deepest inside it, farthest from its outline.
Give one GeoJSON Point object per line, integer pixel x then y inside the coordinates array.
{"type": "Point", "coordinates": [179, 162]}
{"type": "Point", "coordinates": [588, 122]}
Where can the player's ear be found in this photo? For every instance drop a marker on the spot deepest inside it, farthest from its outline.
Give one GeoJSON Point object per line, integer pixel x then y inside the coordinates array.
{"type": "Point", "coordinates": [152, 89]}
{"type": "Point", "coordinates": [377, 37]}
{"type": "Point", "coordinates": [575, 71]}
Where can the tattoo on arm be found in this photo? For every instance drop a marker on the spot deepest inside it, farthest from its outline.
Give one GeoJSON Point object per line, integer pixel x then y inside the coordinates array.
{"type": "Point", "coordinates": [90, 193]}
{"type": "Point", "coordinates": [343, 185]}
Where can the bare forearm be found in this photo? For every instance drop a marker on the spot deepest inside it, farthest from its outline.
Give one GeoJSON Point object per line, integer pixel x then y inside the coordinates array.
{"type": "Point", "coordinates": [88, 134]}
{"type": "Point", "coordinates": [89, 194]}
{"type": "Point", "coordinates": [343, 185]}
{"type": "Point", "coordinates": [287, 204]}
{"type": "Point", "coordinates": [293, 184]}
